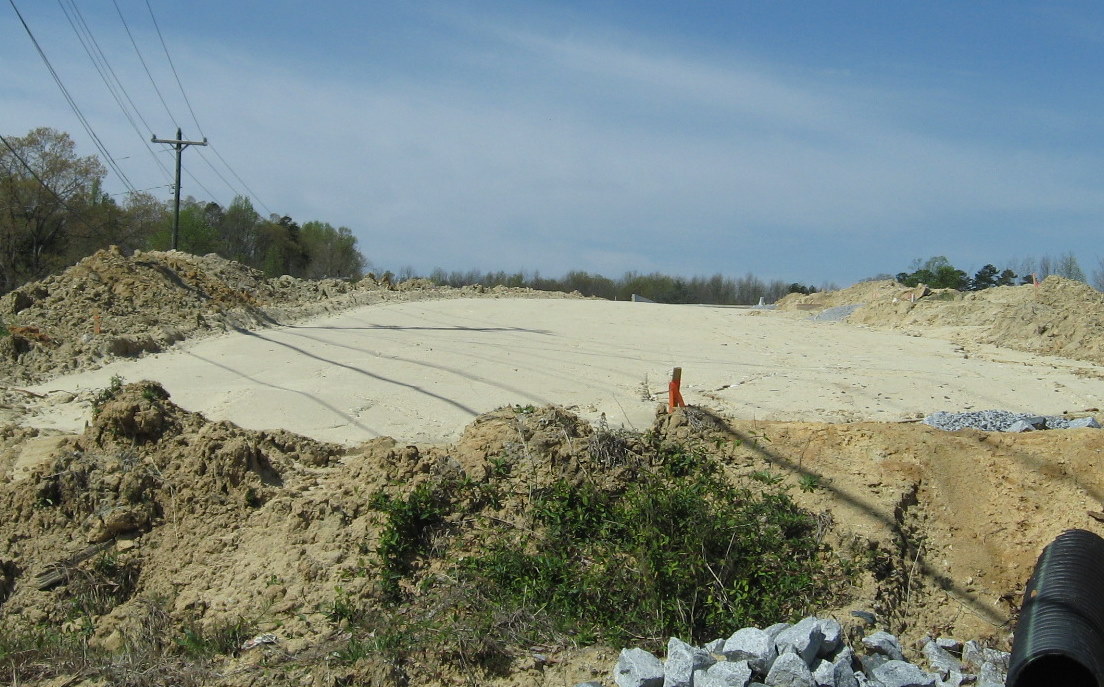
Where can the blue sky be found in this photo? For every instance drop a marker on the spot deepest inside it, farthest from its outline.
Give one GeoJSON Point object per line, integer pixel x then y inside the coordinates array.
{"type": "Point", "coordinates": [804, 141]}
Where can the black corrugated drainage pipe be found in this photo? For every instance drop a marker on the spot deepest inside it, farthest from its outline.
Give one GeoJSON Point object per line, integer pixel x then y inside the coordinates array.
{"type": "Point", "coordinates": [1060, 635]}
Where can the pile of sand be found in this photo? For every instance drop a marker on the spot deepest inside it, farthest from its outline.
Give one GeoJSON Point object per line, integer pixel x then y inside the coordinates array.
{"type": "Point", "coordinates": [1058, 317]}
{"type": "Point", "coordinates": [210, 526]}
{"type": "Point", "coordinates": [863, 292]}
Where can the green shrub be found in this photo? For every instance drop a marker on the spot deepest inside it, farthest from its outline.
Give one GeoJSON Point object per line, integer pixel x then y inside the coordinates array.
{"type": "Point", "coordinates": [666, 557]}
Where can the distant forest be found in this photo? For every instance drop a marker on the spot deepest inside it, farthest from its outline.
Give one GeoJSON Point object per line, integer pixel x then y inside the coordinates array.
{"type": "Point", "coordinates": [661, 288]}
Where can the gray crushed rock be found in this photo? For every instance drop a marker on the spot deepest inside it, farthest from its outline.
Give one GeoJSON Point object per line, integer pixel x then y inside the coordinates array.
{"type": "Point", "coordinates": [1004, 421]}
{"type": "Point", "coordinates": [836, 314]}
{"type": "Point", "coordinates": [777, 660]}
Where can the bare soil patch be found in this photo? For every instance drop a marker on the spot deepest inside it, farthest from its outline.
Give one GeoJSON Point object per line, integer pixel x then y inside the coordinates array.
{"type": "Point", "coordinates": [153, 544]}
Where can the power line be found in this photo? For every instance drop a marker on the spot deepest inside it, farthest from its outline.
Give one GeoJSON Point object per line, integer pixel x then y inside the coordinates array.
{"type": "Point", "coordinates": [144, 65]}
{"type": "Point", "coordinates": [72, 103]}
{"type": "Point", "coordinates": [173, 67]}
{"type": "Point", "coordinates": [114, 84]}
{"type": "Point", "coordinates": [199, 183]}
{"type": "Point", "coordinates": [103, 56]}
{"type": "Point", "coordinates": [251, 193]}
{"type": "Point", "coordinates": [219, 174]}
{"type": "Point", "coordinates": [188, 102]}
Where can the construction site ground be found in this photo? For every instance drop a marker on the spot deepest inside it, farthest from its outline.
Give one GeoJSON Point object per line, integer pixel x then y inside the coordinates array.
{"type": "Point", "coordinates": [243, 494]}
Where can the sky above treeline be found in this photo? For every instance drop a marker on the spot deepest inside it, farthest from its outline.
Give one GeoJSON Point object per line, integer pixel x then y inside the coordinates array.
{"type": "Point", "coordinates": [804, 141]}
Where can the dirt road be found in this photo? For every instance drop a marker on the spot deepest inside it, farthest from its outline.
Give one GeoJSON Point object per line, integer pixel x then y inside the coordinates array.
{"type": "Point", "coordinates": [420, 371]}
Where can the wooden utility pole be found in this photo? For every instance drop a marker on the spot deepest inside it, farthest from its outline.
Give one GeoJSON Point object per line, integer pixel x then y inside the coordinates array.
{"type": "Point", "coordinates": [180, 145]}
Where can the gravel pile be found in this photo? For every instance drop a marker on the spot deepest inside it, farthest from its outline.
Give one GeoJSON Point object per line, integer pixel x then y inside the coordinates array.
{"type": "Point", "coordinates": [838, 313]}
{"type": "Point", "coordinates": [812, 652]}
{"type": "Point", "coordinates": [1005, 421]}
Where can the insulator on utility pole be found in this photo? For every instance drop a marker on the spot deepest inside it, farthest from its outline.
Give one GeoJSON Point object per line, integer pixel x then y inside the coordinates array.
{"type": "Point", "coordinates": [180, 145]}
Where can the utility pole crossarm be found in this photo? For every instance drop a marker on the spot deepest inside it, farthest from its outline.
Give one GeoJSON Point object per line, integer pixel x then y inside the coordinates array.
{"type": "Point", "coordinates": [186, 143]}
{"type": "Point", "coordinates": [180, 145]}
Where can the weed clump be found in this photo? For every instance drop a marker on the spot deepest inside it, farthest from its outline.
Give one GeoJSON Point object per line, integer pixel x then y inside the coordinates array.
{"type": "Point", "coordinates": [670, 548]}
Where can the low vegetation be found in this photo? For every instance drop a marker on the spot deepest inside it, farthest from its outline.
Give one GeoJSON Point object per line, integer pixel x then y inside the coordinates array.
{"type": "Point", "coordinates": [669, 547]}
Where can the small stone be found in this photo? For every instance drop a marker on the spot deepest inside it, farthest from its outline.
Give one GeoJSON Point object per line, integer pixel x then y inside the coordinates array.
{"type": "Point", "coordinates": [1021, 426]}
{"type": "Point", "coordinates": [940, 660]}
{"type": "Point", "coordinates": [837, 672]}
{"type": "Point", "coordinates": [991, 675]}
{"type": "Point", "coordinates": [956, 678]}
{"type": "Point", "coordinates": [803, 639]}
{"type": "Point", "coordinates": [903, 674]}
{"type": "Point", "coordinates": [789, 670]}
{"type": "Point", "coordinates": [1082, 422]}
{"type": "Point", "coordinates": [975, 656]}
{"type": "Point", "coordinates": [638, 668]}
{"type": "Point", "coordinates": [724, 674]}
{"type": "Point", "coordinates": [949, 644]}
{"type": "Point", "coordinates": [776, 629]}
{"type": "Point", "coordinates": [833, 636]}
{"type": "Point", "coordinates": [865, 616]}
{"type": "Point", "coordinates": [864, 681]}
{"type": "Point", "coordinates": [872, 661]}
{"type": "Point", "coordinates": [715, 647]}
{"type": "Point", "coordinates": [753, 645]}
{"type": "Point", "coordinates": [682, 661]}
{"type": "Point", "coordinates": [883, 643]}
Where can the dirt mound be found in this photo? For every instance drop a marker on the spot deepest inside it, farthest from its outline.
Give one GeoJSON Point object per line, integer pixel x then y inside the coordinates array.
{"type": "Point", "coordinates": [1058, 317]}
{"type": "Point", "coordinates": [113, 305]}
{"type": "Point", "coordinates": [170, 540]}
{"type": "Point", "coordinates": [863, 292]}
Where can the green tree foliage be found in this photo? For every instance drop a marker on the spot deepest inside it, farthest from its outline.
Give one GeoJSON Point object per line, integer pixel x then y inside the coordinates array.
{"type": "Point", "coordinates": [937, 272]}
{"type": "Point", "coordinates": [238, 232]}
{"type": "Point", "coordinates": [53, 212]}
{"type": "Point", "coordinates": [45, 189]}
{"type": "Point", "coordinates": [333, 252]}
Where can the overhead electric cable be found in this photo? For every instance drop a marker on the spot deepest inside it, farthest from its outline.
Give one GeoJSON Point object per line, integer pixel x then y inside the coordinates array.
{"type": "Point", "coordinates": [73, 103]}
{"type": "Point", "coordinates": [219, 174]}
{"type": "Point", "coordinates": [173, 67]}
{"type": "Point", "coordinates": [113, 84]}
{"type": "Point", "coordinates": [198, 183]}
{"type": "Point", "coordinates": [251, 192]}
{"type": "Point", "coordinates": [188, 102]}
{"type": "Point", "coordinates": [103, 56]}
{"type": "Point", "coordinates": [144, 65]}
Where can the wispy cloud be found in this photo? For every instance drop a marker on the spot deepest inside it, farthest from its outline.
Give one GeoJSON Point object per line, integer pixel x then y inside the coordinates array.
{"type": "Point", "coordinates": [535, 148]}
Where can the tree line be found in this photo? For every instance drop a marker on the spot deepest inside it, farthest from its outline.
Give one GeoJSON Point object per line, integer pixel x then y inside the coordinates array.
{"type": "Point", "coordinates": [938, 273]}
{"type": "Point", "coordinates": [53, 212]}
{"type": "Point", "coordinates": [662, 288]}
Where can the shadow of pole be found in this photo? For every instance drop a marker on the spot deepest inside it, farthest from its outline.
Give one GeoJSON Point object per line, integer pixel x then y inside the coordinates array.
{"type": "Point", "coordinates": [922, 565]}
{"type": "Point", "coordinates": [345, 416]}
{"type": "Point", "coordinates": [371, 375]}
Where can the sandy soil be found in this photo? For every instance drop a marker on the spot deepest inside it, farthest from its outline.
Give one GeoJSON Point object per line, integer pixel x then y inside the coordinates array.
{"type": "Point", "coordinates": [421, 371]}
{"type": "Point", "coordinates": [257, 505]}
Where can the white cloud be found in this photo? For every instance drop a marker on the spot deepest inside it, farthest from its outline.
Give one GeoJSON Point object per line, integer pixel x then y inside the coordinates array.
{"type": "Point", "coordinates": [596, 153]}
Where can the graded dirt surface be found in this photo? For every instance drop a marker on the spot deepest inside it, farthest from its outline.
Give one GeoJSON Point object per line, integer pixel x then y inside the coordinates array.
{"type": "Point", "coordinates": [242, 493]}
{"type": "Point", "coordinates": [421, 371]}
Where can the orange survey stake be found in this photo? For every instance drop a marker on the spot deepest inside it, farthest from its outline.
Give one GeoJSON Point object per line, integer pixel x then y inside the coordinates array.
{"type": "Point", "coordinates": [674, 395]}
